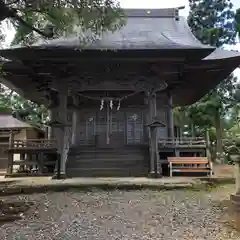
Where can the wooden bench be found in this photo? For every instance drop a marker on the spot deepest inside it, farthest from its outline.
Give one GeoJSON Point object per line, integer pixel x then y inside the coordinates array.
{"type": "Point", "coordinates": [189, 164]}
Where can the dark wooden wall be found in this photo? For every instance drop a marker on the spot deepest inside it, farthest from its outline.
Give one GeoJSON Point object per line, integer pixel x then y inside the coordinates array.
{"type": "Point", "coordinates": [126, 125]}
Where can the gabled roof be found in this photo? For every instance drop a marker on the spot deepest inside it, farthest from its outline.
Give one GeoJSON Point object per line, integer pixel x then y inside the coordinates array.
{"type": "Point", "coordinates": [205, 75]}
{"type": "Point", "coordinates": [144, 29]}
{"type": "Point", "coordinates": [7, 121]}
{"type": "Point", "coordinates": [158, 36]}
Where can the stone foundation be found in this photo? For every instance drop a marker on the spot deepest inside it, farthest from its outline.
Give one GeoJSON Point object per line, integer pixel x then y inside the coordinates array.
{"type": "Point", "coordinates": [235, 209]}
{"type": "Point", "coordinates": [61, 176]}
{"type": "Point", "coordinates": [154, 175]}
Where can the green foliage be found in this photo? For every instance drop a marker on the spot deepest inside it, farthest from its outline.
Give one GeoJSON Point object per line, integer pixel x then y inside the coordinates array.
{"type": "Point", "coordinates": [53, 18]}
{"type": "Point", "coordinates": [218, 102]}
{"type": "Point", "coordinates": [212, 21]}
{"type": "Point", "coordinates": [2, 35]}
{"type": "Point", "coordinates": [180, 116]}
{"type": "Point", "coordinates": [232, 148]}
{"type": "Point", "coordinates": [237, 21]}
{"type": "Point", "coordinates": [21, 108]}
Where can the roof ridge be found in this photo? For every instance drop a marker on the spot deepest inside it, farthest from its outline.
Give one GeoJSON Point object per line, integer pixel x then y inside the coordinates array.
{"type": "Point", "coordinates": [152, 12]}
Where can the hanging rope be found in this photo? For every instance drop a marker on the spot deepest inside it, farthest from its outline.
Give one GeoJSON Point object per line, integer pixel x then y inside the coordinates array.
{"type": "Point", "coordinates": [110, 121]}
{"type": "Point", "coordinates": [119, 105]}
{"type": "Point", "coordinates": [111, 104]}
{"type": "Point", "coordinates": [102, 105]}
{"type": "Point", "coordinates": [110, 99]}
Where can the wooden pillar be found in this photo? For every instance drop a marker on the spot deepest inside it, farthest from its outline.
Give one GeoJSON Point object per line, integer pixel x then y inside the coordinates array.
{"type": "Point", "coordinates": [155, 169]}
{"type": "Point", "coordinates": [62, 133]}
{"type": "Point", "coordinates": [146, 120]}
{"type": "Point", "coordinates": [126, 127]}
{"type": "Point", "coordinates": [10, 154]}
{"type": "Point", "coordinates": [74, 126]}
{"type": "Point", "coordinates": [170, 123]}
{"type": "Point", "coordinates": [108, 122]}
{"type": "Point", "coordinates": [208, 152]}
{"type": "Point", "coordinates": [63, 147]}
{"type": "Point", "coordinates": [151, 107]}
{"type": "Point", "coordinates": [49, 129]}
{"type": "Point", "coordinates": [41, 161]}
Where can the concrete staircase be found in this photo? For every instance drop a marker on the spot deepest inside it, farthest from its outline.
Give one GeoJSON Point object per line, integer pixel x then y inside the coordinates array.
{"type": "Point", "coordinates": [130, 161]}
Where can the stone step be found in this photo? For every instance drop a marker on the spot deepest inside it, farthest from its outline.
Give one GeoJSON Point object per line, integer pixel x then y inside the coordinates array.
{"type": "Point", "coordinates": [116, 157]}
{"type": "Point", "coordinates": [107, 158]}
{"type": "Point", "coordinates": [106, 164]}
{"type": "Point", "coordinates": [104, 154]}
{"type": "Point", "coordinates": [106, 172]}
{"type": "Point", "coordinates": [106, 150]}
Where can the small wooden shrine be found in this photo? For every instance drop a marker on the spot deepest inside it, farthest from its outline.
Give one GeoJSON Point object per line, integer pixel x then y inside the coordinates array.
{"type": "Point", "coordinates": [103, 95]}
{"type": "Point", "coordinates": [16, 138]}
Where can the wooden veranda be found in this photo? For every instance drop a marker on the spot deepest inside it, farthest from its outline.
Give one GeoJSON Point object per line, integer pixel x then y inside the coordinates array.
{"type": "Point", "coordinates": [38, 156]}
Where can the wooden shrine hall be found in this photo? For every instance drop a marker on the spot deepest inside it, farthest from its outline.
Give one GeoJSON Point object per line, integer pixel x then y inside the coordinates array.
{"type": "Point", "coordinates": [111, 99]}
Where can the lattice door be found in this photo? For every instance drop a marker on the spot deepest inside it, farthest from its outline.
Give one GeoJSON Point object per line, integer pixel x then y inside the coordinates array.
{"type": "Point", "coordinates": [134, 127]}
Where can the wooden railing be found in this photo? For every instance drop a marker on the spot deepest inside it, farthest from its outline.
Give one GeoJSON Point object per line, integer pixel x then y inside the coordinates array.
{"type": "Point", "coordinates": [33, 144]}
{"type": "Point", "coordinates": [87, 142]}
{"type": "Point", "coordinates": [4, 134]}
{"type": "Point", "coordinates": [183, 142]}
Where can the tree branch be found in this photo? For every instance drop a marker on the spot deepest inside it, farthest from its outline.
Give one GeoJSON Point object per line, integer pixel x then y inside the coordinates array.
{"type": "Point", "coordinates": [24, 23]}
{"type": "Point", "coordinates": [13, 2]}
{"type": "Point", "coordinates": [6, 12]}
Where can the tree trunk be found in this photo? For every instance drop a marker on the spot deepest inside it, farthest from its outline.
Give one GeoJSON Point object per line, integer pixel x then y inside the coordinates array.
{"type": "Point", "coordinates": [218, 126]}
{"type": "Point", "coordinates": [237, 177]}
{"type": "Point", "coordinates": [208, 145]}
{"type": "Point", "coordinates": [193, 130]}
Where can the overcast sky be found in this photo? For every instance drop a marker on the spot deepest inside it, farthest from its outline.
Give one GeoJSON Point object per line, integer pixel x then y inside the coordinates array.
{"type": "Point", "coordinates": [163, 4]}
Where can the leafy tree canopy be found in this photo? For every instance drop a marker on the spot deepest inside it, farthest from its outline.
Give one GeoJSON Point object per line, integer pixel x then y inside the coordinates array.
{"type": "Point", "coordinates": [50, 18]}
{"type": "Point", "coordinates": [237, 21]}
{"type": "Point", "coordinates": [21, 108]}
{"type": "Point", "coordinates": [212, 21]}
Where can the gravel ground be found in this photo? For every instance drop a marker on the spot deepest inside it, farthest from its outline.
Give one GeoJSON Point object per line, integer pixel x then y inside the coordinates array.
{"type": "Point", "coordinates": [121, 215]}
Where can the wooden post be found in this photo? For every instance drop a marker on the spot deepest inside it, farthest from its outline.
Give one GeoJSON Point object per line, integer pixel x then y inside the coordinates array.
{"type": "Point", "coordinates": [170, 123]}
{"type": "Point", "coordinates": [208, 152]}
{"type": "Point", "coordinates": [59, 114]}
{"type": "Point", "coordinates": [125, 128]}
{"type": "Point", "coordinates": [49, 129]}
{"type": "Point", "coordinates": [58, 166]}
{"type": "Point", "coordinates": [235, 198]}
{"type": "Point", "coordinates": [170, 168]}
{"type": "Point", "coordinates": [62, 131]}
{"type": "Point", "coordinates": [146, 120]}
{"type": "Point", "coordinates": [11, 139]}
{"type": "Point", "coordinates": [155, 170]}
{"type": "Point", "coordinates": [152, 142]}
{"type": "Point", "coordinates": [10, 154]}
{"type": "Point", "coordinates": [237, 176]}
{"type": "Point", "coordinates": [107, 125]}
{"type": "Point", "coordinates": [74, 126]}
{"type": "Point", "coordinates": [41, 161]}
